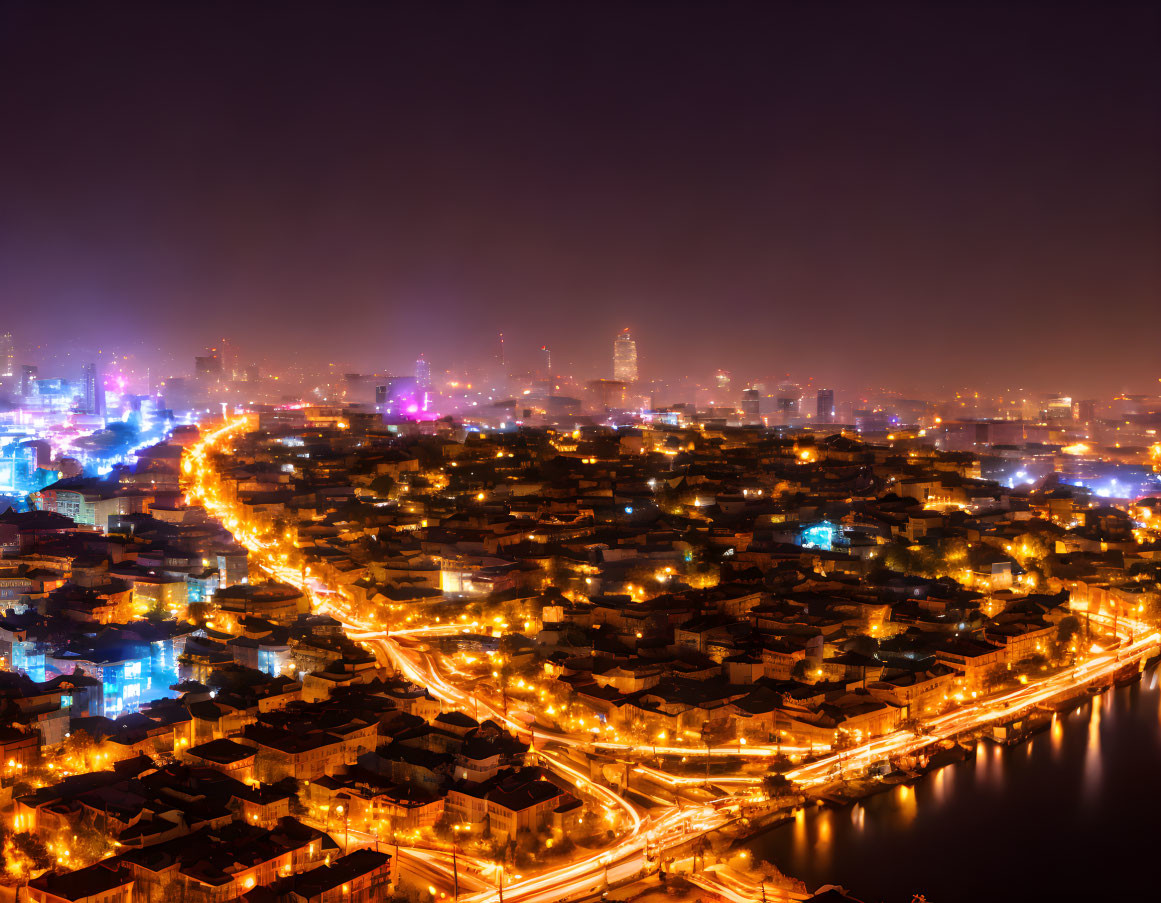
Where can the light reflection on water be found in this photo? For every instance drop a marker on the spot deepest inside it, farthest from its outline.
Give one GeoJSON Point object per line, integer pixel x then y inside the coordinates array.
{"type": "Point", "coordinates": [939, 782]}
{"type": "Point", "coordinates": [822, 841]}
{"type": "Point", "coordinates": [1071, 787]}
{"type": "Point", "coordinates": [1092, 751]}
{"type": "Point", "coordinates": [908, 805]}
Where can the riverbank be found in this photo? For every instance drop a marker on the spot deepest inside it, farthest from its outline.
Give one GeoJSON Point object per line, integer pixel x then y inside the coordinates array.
{"type": "Point", "coordinates": [993, 825]}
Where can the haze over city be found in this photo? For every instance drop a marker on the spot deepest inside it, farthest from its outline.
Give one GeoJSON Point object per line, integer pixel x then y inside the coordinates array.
{"type": "Point", "coordinates": [909, 195]}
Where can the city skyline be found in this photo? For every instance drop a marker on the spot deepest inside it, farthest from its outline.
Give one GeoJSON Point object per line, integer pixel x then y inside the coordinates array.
{"type": "Point", "coordinates": [908, 185]}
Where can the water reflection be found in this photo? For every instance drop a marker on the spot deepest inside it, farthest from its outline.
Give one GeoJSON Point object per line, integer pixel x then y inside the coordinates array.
{"type": "Point", "coordinates": [1078, 781]}
{"type": "Point", "coordinates": [1092, 750]}
{"type": "Point", "coordinates": [982, 760]}
{"type": "Point", "coordinates": [822, 847]}
{"type": "Point", "coordinates": [907, 803]}
{"type": "Point", "coordinates": [939, 782]}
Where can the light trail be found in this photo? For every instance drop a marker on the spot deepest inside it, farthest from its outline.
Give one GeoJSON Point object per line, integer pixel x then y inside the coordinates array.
{"type": "Point", "coordinates": [677, 824]}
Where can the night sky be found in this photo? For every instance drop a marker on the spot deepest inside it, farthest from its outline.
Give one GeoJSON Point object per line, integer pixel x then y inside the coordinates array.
{"type": "Point", "coordinates": [919, 196]}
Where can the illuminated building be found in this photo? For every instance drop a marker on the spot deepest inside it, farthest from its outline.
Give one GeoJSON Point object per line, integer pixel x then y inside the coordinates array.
{"type": "Point", "coordinates": [18, 467]}
{"type": "Point", "coordinates": [825, 410]}
{"type": "Point", "coordinates": [818, 536]}
{"type": "Point", "coordinates": [1084, 411]}
{"type": "Point", "coordinates": [7, 356]}
{"type": "Point", "coordinates": [625, 358]}
{"type": "Point", "coordinates": [90, 500]}
{"type": "Point", "coordinates": [423, 382]}
{"type": "Point", "coordinates": [28, 375]}
{"type": "Point", "coordinates": [92, 392]}
{"type": "Point", "coordinates": [1058, 409]}
{"type": "Point", "coordinates": [278, 603]}
{"type": "Point", "coordinates": [133, 665]}
{"type": "Point", "coordinates": [607, 394]}
{"type": "Point", "coordinates": [399, 395]}
{"type": "Point", "coordinates": [159, 593]}
{"type": "Point", "coordinates": [233, 566]}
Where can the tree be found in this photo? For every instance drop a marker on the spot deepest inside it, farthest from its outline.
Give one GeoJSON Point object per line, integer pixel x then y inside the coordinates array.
{"type": "Point", "coordinates": [198, 612]}
{"type": "Point", "coordinates": [1068, 627]}
{"type": "Point", "coordinates": [31, 848]}
{"type": "Point", "coordinates": [79, 744]}
{"type": "Point", "coordinates": [776, 784]}
{"type": "Point", "coordinates": [382, 485]}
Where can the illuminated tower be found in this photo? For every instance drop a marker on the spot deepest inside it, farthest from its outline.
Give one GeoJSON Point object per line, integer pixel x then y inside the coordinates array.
{"type": "Point", "coordinates": [7, 356]}
{"type": "Point", "coordinates": [625, 358]}
{"type": "Point", "coordinates": [546, 361]}
{"type": "Point", "coordinates": [93, 397]}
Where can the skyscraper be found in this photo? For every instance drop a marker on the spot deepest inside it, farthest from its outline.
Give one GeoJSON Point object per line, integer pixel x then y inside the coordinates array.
{"type": "Point", "coordinates": [227, 359]}
{"type": "Point", "coordinates": [208, 368]}
{"type": "Point", "coordinates": [28, 376]}
{"type": "Point", "coordinates": [751, 406]}
{"type": "Point", "coordinates": [546, 362]}
{"type": "Point", "coordinates": [423, 374]}
{"type": "Point", "coordinates": [7, 356]}
{"type": "Point", "coordinates": [825, 412]}
{"type": "Point", "coordinates": [93, 395]}
{"type": "Point", "coordinates": [625, 358]}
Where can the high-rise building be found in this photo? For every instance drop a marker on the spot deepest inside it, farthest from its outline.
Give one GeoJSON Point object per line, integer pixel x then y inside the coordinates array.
{"type": "Point", "coordinates": [423, 374]}
{"type": "Point", "coordinates": [825, 411]}
{"type": "Point", "coordinates": [1058, 409]}
{"type": "Point", "coordinates": [7, 356]}
{"type": "Point", "coordinates": [28, 376]}
{"type": "Point", "coordinates": [788, 405]}
{"type": "Point", "coordinates": [227, 359]}
{"type": "Point", "coordinates": [208, 366]}
{"type": "Point", "coordinates": [546, 362]}
{"type": "Point", "coordinates": [607, 394]}
{"type": "Point", "coordinates": [625, 358]}
{"type": "Point", "coordinates": [1084, 411]}
{"type": "Point", "coordinates": [93, 392]}
{"type": "Point", "coordinates": [751, 406]}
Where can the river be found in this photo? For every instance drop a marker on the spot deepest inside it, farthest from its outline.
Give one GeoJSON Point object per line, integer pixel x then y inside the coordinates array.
{"type": "Point", "coordinates": [1071, 814]}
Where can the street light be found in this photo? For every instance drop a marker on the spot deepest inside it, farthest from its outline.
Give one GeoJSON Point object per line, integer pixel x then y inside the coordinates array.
{"type": "Point", "coordinates": [455, 864]}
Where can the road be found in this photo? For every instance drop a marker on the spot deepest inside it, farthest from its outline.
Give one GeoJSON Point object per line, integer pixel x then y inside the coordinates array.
{"type": "Point", "coordinates": [662, 828]}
